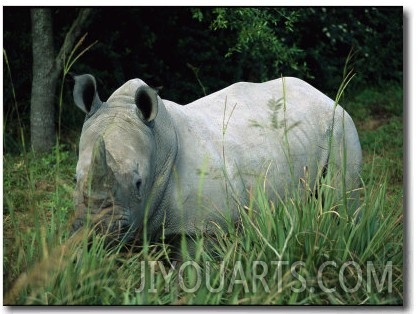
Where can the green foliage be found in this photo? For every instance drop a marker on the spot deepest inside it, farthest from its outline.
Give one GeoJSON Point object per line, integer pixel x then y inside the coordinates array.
{"type": "Point", "coordinates": [379, 116]}
{"type": "Point", "coordinates": [377, 102]}
{"type": "Point", "coordinates": [37, 194]}
{"type": "Point", "coordinates": [256, 28]}
{"type": "Point", "coordinates": [30, 179]}
{"type": "Point", "coordinates": [259, 37]}
{"type": "Point", "coordinates": [313, 42]}
{"type": "Point", "coordinates": [328, 34]}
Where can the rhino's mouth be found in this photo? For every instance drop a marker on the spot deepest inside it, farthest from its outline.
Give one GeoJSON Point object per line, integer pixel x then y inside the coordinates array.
{"type": "Point", "coordinates": [111, 221]}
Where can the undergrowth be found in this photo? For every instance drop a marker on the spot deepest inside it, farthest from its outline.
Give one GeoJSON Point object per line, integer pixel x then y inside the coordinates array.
{"type": "Point", "coordinates": [297, 252]}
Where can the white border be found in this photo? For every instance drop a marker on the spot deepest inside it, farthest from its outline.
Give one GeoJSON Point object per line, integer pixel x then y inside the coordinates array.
{"type": "Point", "coordinates": [410, 67]}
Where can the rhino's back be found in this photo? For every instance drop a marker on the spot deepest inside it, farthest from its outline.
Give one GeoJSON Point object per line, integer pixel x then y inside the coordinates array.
{"type": "Point", "coordinates": [254, 93]}
{"type": "Point", "coordinates": [250, 120]}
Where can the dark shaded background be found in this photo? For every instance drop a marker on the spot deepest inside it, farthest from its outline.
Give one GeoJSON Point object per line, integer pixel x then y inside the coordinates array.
{"type": "Point", "coordinates": [172, 47]}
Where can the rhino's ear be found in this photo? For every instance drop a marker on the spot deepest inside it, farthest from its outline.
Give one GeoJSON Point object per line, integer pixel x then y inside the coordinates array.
{"type": "Point", "coordinates": [146, 100]}
{"type": "Point", "coordinates": [85, 92]}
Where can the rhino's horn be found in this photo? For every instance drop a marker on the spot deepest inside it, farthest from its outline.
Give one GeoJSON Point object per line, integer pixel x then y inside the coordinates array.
{"type": "Point", "coordinates": [85, 92]}
{"type": "Point", "coordinates": [100, 174]}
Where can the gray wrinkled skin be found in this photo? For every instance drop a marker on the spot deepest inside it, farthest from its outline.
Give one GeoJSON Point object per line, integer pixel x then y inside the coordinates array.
{"type": "Point", "coordinates": [147, 164]}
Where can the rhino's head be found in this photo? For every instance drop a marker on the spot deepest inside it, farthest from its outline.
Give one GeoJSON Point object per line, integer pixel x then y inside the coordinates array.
{"type": "Point", "coordinates": [120, 173]}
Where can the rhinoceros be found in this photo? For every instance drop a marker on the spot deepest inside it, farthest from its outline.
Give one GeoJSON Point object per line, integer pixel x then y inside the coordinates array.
{"type": "Point", "coordinates": [149, 167]}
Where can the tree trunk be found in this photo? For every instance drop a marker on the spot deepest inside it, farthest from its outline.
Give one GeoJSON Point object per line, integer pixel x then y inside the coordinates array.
{"type": "Point", "coordinates": [47, 67]}
{"type": "Point", "coordinates": [44, 82]}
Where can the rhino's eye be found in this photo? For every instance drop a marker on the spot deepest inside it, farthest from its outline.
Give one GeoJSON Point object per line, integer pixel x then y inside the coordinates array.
{"type": "Point", "coordinates": [75, 178]}
{"type": "Point", "coordinates": [138, 184]}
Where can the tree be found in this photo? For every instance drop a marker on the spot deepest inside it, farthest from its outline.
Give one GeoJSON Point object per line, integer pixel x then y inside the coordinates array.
{"type": "Point", "coordinates": [43, 82]}
{"type": "Point", "coordinates": [46, 71]}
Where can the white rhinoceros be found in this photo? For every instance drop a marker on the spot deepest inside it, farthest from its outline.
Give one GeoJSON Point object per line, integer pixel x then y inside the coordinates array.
{"type": "Point", "coordinates": [149, 166]}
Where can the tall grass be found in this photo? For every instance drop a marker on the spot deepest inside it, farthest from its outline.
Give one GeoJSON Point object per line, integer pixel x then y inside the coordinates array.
{"type": "Point", "coordinates": [286, 253]}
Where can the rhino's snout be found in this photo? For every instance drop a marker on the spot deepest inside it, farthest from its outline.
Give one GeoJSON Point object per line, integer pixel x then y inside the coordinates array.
{"type": "Point", "coordinates": [106, 194]}
{"type": "Point", "coordinates": [111, 220]}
